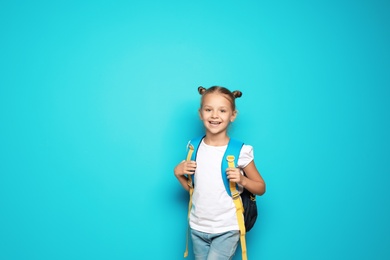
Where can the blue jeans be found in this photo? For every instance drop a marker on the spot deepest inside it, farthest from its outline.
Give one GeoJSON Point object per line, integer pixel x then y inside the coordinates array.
{"type": "Point", "coordinates": [220, 246]}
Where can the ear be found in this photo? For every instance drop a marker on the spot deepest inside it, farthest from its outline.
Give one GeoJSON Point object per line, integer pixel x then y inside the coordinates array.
{"type": "Point", "coordinates": [233, 116]}
{"type": "Point", "coordinates": [200, 114]}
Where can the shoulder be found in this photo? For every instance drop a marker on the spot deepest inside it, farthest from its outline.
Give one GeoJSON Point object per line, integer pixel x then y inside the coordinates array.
{"type": "Point", "coordinates": [196, 140]}
{"type": "Point", "coordinates": [246, 155]}
{"type": "Point", "coordinates": [247, 148]}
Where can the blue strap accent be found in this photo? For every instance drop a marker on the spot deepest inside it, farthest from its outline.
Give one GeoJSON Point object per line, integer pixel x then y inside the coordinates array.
{"type": "Point", "coordinates": [195, 142]}
{"type": "Point", "coordinates": [234, 148]}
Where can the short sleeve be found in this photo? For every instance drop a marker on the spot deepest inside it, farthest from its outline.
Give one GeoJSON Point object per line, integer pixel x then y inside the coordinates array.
{"type": "Point", "coordinates": [246, 156]}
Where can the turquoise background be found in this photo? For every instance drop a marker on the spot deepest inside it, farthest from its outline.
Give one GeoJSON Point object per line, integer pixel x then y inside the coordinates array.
{"type": "Point", "coordinates": [99, 98]}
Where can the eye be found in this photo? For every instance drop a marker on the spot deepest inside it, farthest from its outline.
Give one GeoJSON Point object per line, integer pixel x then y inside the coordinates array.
{"type": "Point", "coordinates": [223, 110]}
{"type": "Point", "coordinates": [207, 109]}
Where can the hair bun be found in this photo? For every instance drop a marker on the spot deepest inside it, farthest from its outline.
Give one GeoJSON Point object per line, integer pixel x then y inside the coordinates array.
{"type": "Point", "coordinates": [201, 90]}
{"type": "Point", "coordinates": [237, 94]}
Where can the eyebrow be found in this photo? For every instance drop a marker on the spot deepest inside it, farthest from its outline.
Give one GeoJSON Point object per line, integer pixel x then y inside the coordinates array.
{"type": "Point", "coordinates": [208, 106]}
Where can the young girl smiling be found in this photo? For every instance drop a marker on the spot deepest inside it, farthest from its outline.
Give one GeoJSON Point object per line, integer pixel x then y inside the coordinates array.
{"type": "Point", "coordinates": [213, 221]}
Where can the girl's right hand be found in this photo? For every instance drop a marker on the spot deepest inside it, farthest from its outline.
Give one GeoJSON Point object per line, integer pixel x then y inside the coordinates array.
{"type": "Point", "coordinates": [185, 167]}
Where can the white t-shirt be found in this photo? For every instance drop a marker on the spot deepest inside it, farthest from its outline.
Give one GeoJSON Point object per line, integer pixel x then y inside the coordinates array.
{"type": "Point", "coordinates": [213, 210]}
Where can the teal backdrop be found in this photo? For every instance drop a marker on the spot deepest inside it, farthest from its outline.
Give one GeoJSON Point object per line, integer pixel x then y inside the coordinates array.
{"type": "Point", "coordinates": [99, 98]}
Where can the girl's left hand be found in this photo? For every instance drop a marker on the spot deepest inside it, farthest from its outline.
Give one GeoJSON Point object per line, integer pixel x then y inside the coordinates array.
{"type": "Point", "coordinates": [234, 175]}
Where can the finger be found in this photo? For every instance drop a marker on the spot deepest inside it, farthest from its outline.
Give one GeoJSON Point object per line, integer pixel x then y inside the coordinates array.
{"type": "Point", "coordinates": [231, 169]}
{"type": "Point", "coordinates": [191, 166]}
{"type": "Point", "coordinates": [192, 163]}
{"type": "Point", "coordinates": [191, 170]}
{"type": "Point", "coordinates": [230, 176]}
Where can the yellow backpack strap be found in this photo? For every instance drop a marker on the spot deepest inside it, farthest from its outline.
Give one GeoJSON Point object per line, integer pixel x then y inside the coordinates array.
{"type": "Point", "coordinates": [191, 190]}
{"type": "Point", "coordinates": [239, 209]}
{"type": "Point", "coordinates": [193, 146]}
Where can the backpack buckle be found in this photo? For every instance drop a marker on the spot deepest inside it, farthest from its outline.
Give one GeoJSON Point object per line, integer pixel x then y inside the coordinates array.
{"type": "Point", "coordinates": [235, 195]}
{"type": "Point", "coordinates": [190, 151]}
{"type": "Point", "coordinates": [230, 158]}
{"type": "Point", "coordinates": [189, 183]}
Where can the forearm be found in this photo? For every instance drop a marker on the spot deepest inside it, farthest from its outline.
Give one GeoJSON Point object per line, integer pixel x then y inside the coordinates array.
{"type": "Point", "coordinates": [255, 187]}
{"type": "Point", "coordinates": [182, 170]}
{"type": "Point", "coordinates": [252, 180]}
{"type": "Point", "coordinates": [183, 181]}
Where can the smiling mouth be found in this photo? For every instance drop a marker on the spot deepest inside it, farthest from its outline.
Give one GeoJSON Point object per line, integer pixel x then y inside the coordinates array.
{"type": "Point", "coordinates": [214, 123]}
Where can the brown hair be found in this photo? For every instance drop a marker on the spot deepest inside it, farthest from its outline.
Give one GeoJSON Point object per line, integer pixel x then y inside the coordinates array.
{"type": "Point", "coordinates": [231, 96]}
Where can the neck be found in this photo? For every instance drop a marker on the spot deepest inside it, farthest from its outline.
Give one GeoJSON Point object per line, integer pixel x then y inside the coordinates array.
{"type": "Point", "coordinates": [216, 140]}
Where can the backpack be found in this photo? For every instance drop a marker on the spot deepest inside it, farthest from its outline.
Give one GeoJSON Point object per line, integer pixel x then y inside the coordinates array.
{"type": "Point", "coordinates": [246, 207]}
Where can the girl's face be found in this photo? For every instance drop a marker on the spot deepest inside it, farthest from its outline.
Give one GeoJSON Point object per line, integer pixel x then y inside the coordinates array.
{"type": "Point", "coordinates": [216, 113]}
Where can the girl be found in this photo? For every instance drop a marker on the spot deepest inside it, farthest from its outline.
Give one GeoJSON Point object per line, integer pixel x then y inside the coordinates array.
{"type": "Point", "coordinates": [213, 221]}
